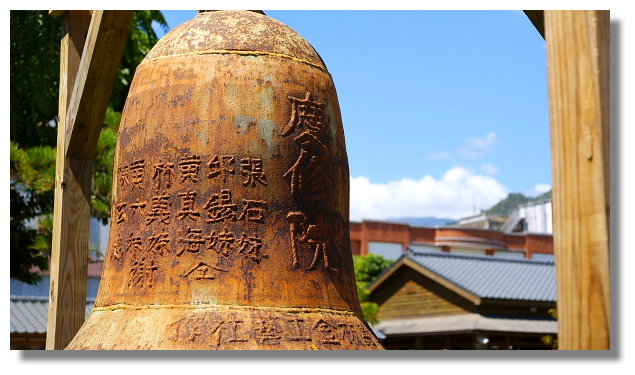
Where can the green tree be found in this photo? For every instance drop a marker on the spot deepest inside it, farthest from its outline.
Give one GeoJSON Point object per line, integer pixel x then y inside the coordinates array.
{"type": "Point", "coordinates": [367, 268]}
{"type": "Point", "coordinates": [34, 87]}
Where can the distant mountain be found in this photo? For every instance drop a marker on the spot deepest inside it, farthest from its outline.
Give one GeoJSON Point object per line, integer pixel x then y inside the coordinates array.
{"type": "Point", "coordinates": [427, 221]}
{"type": "Point", "coordinates": [512, 201]}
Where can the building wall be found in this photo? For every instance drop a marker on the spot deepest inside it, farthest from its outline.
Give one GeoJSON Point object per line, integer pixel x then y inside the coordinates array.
{"type": "Point", "coordinates": [538, 217]}
{"type": "Point", "coordinates": [388, 250]}
{"type": "Point", "coordinates": [407, 293]}
{"type": "Point", "coordinates": [374, 237]}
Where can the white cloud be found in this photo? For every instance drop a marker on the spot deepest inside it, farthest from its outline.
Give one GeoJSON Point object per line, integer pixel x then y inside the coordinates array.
{"type": "Point", "coordinates": [542, 188]}
{"type": "Point", "coordinates": [453, 196]}
{"type": "Point", "coordinates": [490, 169]}
{"type": "Point", "coordinates": [476, 147]}
{"type": "Point", "coordinates": [473, 148]}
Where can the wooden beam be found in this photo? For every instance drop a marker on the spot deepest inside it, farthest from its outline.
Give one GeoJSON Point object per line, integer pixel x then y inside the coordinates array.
{"type": "Point", "coordinates": [96, 77]}
{"type": "Point", "coordinates": [578, 69]}
{"type": "Point", "coordinates": [537, 18]}
{"type": "Point", "coordinates": [56, 13]}
{"type": "Point", "coordinates": [59, 13]}
{"type": "Point", "coordinates": [69, 254]}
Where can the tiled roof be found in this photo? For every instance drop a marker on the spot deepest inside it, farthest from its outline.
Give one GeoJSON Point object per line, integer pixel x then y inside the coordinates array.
{"type": "Point", "coordinates": [493, 277]}
{"type": "Point", "coordinates": [465, 322]}
{"type": "Point", "coordinates": [30, 314]}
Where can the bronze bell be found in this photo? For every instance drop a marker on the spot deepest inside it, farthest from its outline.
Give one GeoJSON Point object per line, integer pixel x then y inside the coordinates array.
{"type": "Point", "coordinates": [229, 224]}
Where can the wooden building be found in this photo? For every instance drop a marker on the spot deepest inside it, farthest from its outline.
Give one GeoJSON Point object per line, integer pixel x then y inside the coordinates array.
{"type": "Point", "coordinates": [435, 300]}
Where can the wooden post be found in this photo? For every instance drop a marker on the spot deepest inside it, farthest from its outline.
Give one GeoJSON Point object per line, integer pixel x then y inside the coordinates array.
{"type": "Point", "coordinates": [578, 68]}
{"type": "Point", "coordinates": [90, 52]}
{"type": "Point", "coordinates": [71, 213]}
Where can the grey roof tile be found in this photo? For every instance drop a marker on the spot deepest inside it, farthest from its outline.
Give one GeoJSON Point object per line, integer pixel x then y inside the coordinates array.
{"type": "Point", "coordinates": [30, 314]}
{"type": "Point", "coordinates": [493, 277]}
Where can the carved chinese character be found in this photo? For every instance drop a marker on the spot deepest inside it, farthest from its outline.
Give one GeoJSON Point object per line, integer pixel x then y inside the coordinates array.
{"type": "Point", "coordinates": [222, 164]}
{"type": "Point", "coordinates": [192, 241]}
{"type": "Point", "coordinates": [210, 330]}
{"type": "Point", "coordinates": [327, 332]}
{"type": "Point", "coordinates": [117, 248]}
{"type": "Point", "coordinates": [234, 334]}
{"type": "Point", "coordinates": [348, 332]}
{"type": "Point", "coordinates": [124, 176]}
{"type": "Point", "coordinates": [196, 329]}
{"type": "Point", "coordinates": [220, 207]}
{"type": "Point", "coordinates": [251, 247]}
{"type": "Point", "coordinates": [306, 113]}
{"type": "Point", "coordinates": [162, 176]}
{"type": "Point", "coordinates": [142, 272]}
{"type": "Point", "coordinates": [136, 169]}
{"type": "Point", "coordinates": [203, 271]}
{"type": "Point", "coordinates": [253, 211]}
{"type": "Point", "coordinates": [365, 337]}
{"type": "Point", "coordinates": [295, 327]}
{"type": "Point", "coordinates": [306, 174]}
{"type": "Point", "coordinates": [121, 214]}
{"type": "Point", "coordinates": [188, 167]}
{"type": "Point", "coordinates": [302, 231]}
{"type": "Point", "coordinates": [268, 331]}
{"type": "Point", "coordinates": [187, 206]}
{"type": "Point", "coordinates": [159, 210]}
{"type": "Point", "coordinates": [252, 169]}
{"type": "Point", "coordinates": [134, 245]}
{"type": "Point", "coordinates": [222, 243]}
{"type": "Point", "coordinates": [137, 206]}
{"type": "Point", "coordinates": [158, 242]}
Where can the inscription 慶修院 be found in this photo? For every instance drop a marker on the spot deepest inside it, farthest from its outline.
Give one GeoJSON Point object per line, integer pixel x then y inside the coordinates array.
{"type": "Point", "coordinates": [308, 180]}
{"type": "Point", "coordinates": [306, 175]}
{"type": "Point", "coordinates": [314, 235]}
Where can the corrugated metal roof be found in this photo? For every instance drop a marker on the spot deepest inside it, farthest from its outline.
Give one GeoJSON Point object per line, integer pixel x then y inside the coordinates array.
{"type": "Point", "coordinates": [493, 277]}
{"type": "Point", "coordinates": [30, 314]}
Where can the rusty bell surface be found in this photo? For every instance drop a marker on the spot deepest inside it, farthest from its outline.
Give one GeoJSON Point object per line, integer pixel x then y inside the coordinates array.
{"type": "Point", "coordinates": [230, 199]}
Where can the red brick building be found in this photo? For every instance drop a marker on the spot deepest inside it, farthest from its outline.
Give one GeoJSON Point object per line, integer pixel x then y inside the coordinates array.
{"type": "Point", "coordinates": [392, 239]}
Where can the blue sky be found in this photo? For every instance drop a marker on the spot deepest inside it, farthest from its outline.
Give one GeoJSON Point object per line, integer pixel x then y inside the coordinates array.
{"type": "Point", "coordinates": [443, 111]}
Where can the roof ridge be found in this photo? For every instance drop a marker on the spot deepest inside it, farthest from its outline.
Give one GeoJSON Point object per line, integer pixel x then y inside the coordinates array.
{"type": "Point", "coordinates": [19, 298]}
{"type": "Point", "coordinates": [489, 258]}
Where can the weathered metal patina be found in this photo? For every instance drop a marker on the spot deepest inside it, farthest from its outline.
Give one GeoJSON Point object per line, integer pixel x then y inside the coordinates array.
{"type": "Point", "coordinates": [230, 199]}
